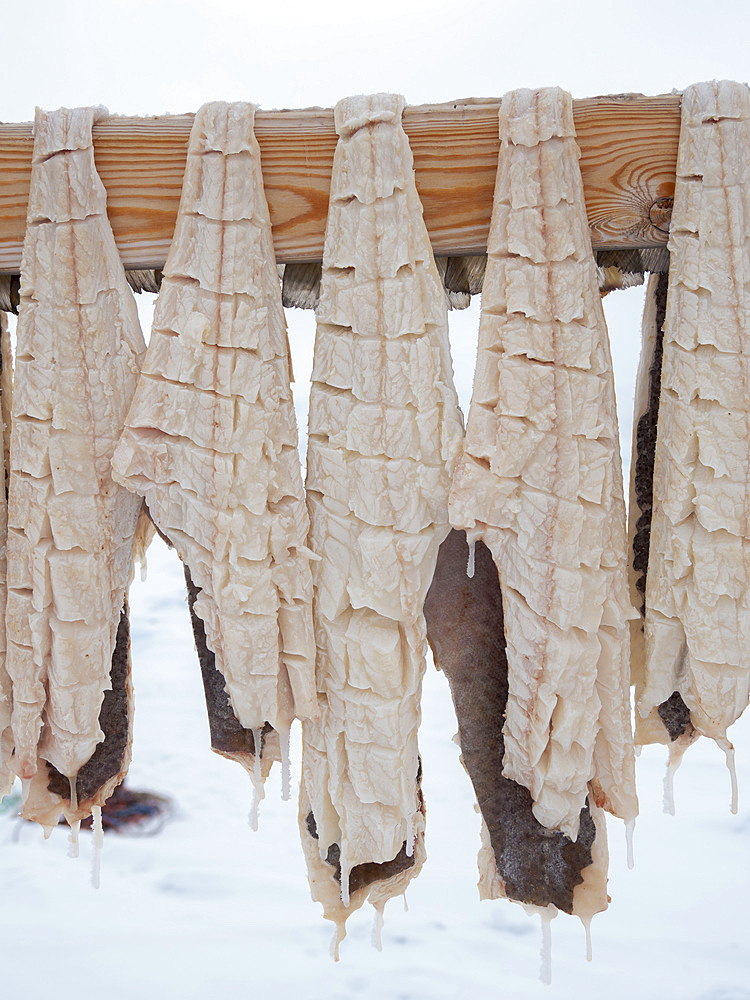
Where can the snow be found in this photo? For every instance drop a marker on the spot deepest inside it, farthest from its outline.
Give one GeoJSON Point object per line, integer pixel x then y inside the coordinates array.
{"type": "Point", "coordinates": [208, 905]}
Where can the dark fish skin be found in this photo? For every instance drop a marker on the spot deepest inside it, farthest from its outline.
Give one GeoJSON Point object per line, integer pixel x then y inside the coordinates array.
{"type": "Point", "coordinates": [228, 735]}
{"type": "Point", "coordinates": [645, 447]}
{"type": "Point", "coordinates": [465, 631]}
{"type": "Point", "coordinates": [675, 715]}
{"type": "Point", "coordinates": [110, 756]}
{"type": "Point", "coordinates": [365, 875]}
{"type": "Point", "coordinates": [673, 712]}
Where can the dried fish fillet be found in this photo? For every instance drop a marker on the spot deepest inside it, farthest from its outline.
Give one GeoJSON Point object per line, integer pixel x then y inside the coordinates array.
{"type": "Point", "coordinates": [228, 736]}
{"type": "Point", "coordinates": [48, 793]}
{"type": "Point", "coordinates": [671, 720]}
{"type": "Point", "coordinates": [521, 859]}
{"type": "Point", "coordinates": [70, 527]}
{"type": "Point", "coordinates": [539, 481]}
{"type": "Point", "coordinates": [385, 430]}
{"type": "Point", "coordinates": [6, 693]}
{"type": "Point", "coordinates": [211, 440]}
{"type": "Point", "coordinates": [697, 605]}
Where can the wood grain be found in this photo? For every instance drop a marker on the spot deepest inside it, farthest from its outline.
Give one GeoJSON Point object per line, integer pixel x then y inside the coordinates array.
{"type": "Point", "coordinates": [628, 159]}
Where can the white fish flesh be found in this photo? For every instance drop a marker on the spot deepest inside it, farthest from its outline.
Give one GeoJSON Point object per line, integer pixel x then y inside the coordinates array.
{"type": "Point", "coordinates": [693, 676]}
{"type": "Point", "coordinates": [540, 480]}
{"type": "Point", "coordinates": [385, 430]}
{"type": "Point", "coordinates": [70, 527]}
{"type": "Point", "coordinates": [6, 692]}
{"type": "Point", "coordinates": [211, 439]}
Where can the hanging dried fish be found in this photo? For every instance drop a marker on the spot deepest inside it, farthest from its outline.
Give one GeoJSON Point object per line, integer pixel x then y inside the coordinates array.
{"type": "Point", "coordinates": [6, 693]}
{"type": "Point", "coordinates": [691, 672]}
{"type": "Point", "coordinates": [520, 858]}
{"type": "Point", "coordinates": [385, 429]}
{"type": "Point", "coordinates": [540, 482]}
{"type": "Point", "coordinates": [70, 527]}
{"type": "Point", "coordinates": [211, 443]}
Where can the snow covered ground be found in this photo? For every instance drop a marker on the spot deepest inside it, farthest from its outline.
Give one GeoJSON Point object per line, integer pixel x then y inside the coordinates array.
{"type": "Point", "coordinates": [208, 907]}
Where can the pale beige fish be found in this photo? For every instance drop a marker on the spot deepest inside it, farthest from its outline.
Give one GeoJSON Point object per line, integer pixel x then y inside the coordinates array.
{"type": "Point", "coordinates": [48, 793]}
{"type": "Point", "coordinates": [211, 439]}
{"type": "Point", "coordinates": [7, 775]}
{"type": "Point", "coordinates": [385, 430]}
{"type": "Point", "coordinates": [519, 858]}
{"type": "Point", "coordinates": [697, 607]}
{"type": "Point", "coordinates": [70, 527]}
{"type": "Point", "coordinates": [540, 481]}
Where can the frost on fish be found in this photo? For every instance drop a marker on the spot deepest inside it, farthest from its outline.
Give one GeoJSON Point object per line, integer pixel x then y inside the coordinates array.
{"type": "Point", "coordinates": [211, 438]}
{"type": "Point", "coordinates": [697, 599]}
{"type": "Point", "coordinates": [70, 527]}
{"type": "Point", "coordinates": [520, 859]}
{"type": "Point", "coordinates": [540, 480]}
{"type": "Point", "coordinates": [385, 429]}
{"type": "Point", "coordinates": [7, 775]}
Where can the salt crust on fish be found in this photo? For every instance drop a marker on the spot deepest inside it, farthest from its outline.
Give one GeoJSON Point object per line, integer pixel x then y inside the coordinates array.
{"type": "Point", "coordinates": [385, 430]}
{"type": "Point", "coordinates": [540, 478]}
{"type": "Point", "coordinates": [70, 527]}
{"type": "Point", "coordinates": [211, 438]}
{"type": "Point", "coordinates": [697, 615]}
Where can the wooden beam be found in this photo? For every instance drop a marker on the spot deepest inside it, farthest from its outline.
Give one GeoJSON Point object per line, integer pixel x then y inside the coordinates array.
{"type": "Point", "coordinates": [628, 158]}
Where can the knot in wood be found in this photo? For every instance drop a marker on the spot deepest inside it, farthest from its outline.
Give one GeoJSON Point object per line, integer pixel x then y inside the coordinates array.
{"type": "Point", "coordinates": [660, 213]}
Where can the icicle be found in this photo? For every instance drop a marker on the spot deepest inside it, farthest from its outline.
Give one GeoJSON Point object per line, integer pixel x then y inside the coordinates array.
{"type": "Point", "coordinates": [258, 750]}
{"type": "Point", "coordinates": [676, 753]}
{"type": "Point", "coordinates": [73, 782]}
{"type": "Point", "coordinates": [345, 872]}
{"type": "Point", "coordinates": [257, 779]}
{"type": "Point", "coordinates": [728, 749]}
{"type": "Point", "coordinates": [25, 789]}
{"type": "Point", "coordinates": [96, 857]}
{"type": "Point", "coordinates": [339, 933]}
{"type": "Point", "coordinates": [629, 831]}
{"type": "Point", "coordinates": [345, 900]}
{"type": "Point", "coordinates": [73, 843]}
{"type": "Point", "coordinates": [322, 849]}
{"type": "Point", "coordinates": [75, 826]}
{"type": "Point", "coordinates": [668, 804]}
{"type": "Point", "coordinates": [545, 969]}
{"type": "Point", "coordinates": [470, 563]}
{"type": "Point", "coordinates": [406, 905]}
{"type": "Point", "coordinates": [586, 921]}
{"type": "Point", "coordinates": [410, 836]}
{"type": "Point", "coordinates": [258, 796]}
{"type": "Point", "coordinates": [286, 773]}
{"type": "Point", "coordinates": [377, 927]}
{"type": "Point", "coordinates": [141, 540]}
{"type": "Point", "coordinates": [546, 914]}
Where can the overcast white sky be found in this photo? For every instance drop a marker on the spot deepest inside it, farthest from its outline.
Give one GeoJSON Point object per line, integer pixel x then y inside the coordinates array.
{"type": "Point", "coordinates": [156, 56]}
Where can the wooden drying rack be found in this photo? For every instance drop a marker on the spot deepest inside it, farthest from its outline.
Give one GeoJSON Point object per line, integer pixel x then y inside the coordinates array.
{"type": "Point", "coordinates": [628, 159]}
